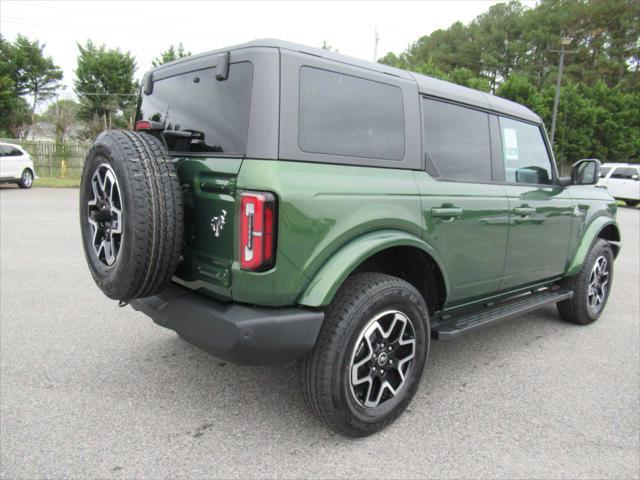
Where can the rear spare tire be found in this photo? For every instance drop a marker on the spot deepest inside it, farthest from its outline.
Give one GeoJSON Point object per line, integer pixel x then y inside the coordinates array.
{"type": "Point", "coordinates": [131, 214]}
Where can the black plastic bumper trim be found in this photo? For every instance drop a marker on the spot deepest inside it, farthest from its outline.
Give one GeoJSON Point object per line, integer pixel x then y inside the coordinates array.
{"type": "Point", "coordinates": [239, 333]}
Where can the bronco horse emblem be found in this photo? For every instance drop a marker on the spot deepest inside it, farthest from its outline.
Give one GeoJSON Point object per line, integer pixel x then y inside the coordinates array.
{"type": "Point", "coordinates": [217, 223]}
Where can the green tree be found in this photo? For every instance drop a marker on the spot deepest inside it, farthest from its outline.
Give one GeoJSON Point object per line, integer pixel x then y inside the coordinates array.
{"type": "Point", "coordinates": [25, 71]}
{"type": "Point", "coordinates": [105, 84]}
{"type": "Point", "coordinates": [62, 114]}
{"type": "Point", "coordinates": [170, 54]}
{"type": "Point", "coordinates": [508, 50]}
{"type": "Point", "coordinates": [35, 75]}
{"type": "Point", "coordinates": [8, 97]}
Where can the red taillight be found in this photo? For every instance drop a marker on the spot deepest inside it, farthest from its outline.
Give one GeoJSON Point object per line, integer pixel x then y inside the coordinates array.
{"type": "Point", "coordinates": [143, 125]}
{"type": "Point", "coordinates": [257, 230]}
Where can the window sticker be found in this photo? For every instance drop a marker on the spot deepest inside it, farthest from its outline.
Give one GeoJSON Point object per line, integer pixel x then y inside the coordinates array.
{"type": "Point", "coordinates": [510, 138]}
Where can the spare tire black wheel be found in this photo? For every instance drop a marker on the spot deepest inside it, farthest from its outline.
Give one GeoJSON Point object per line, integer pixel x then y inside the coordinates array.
{"type": "Point", "coordinates": [131, 214]}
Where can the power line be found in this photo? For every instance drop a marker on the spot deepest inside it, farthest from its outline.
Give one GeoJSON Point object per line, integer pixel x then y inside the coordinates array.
{"type": "Point", "coordinates": [108, 94]}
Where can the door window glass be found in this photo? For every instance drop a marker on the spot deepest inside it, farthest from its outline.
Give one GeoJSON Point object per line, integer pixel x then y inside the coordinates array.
{"type": "Point", "coordinates": [457, 141]}
{"type": "Point", "coordinates": [624, 173]}
{"type": "Point", "coordinates": [5, 150]}
{"type": "Point", "coordinates": [525, 155]}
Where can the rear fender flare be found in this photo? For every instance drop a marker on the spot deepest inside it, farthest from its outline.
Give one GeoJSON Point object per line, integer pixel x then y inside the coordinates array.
{"type": "Point", "coordinates": [334, 272]}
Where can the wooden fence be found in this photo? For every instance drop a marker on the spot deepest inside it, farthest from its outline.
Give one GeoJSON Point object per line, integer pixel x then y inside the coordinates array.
{"type": "Point", "coordinates": [51, 159]}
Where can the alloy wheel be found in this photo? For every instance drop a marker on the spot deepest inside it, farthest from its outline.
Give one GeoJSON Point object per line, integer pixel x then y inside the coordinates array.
{"type": "Point", "coordinates": [382, 358]}
{"type": "Point", "coordinates": [598, 284]}
{"type": "Point", "coordinates": [27, 178]}
{"type": "Point", "coordinates": [105, 214]}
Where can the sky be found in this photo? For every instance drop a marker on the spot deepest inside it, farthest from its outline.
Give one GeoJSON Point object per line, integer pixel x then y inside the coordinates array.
{"type": "Point", "coordinates": [147, 28]}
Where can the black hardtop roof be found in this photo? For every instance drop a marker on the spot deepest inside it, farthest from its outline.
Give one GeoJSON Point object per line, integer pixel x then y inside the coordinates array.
{"type": "Point", "coordinates": [426, 85]}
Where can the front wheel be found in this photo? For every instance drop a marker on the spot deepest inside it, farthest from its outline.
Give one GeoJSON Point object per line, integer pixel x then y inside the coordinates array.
{"type": "Point", "coordinates": [591, 286]}
{"type": "Point", "coordinates": [26, 179]}
{"type": "Point", "coordinates": [369, 358]}
{"type": "Point", "coordinates": [632, 203]}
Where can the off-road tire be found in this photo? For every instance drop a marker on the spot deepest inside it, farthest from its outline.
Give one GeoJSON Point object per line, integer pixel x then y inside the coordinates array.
{"type": "Point", "coordinates": [324, 373]}
{"type": "Point", "coordinates": [26, 179]}
{"type": "Point", "coordinates": [152, 214]}
{"type": "Point", "coordinates": [576, 309]}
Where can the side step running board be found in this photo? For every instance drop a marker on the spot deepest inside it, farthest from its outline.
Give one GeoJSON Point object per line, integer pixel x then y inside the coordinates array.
{"type": "Point", "coordinates": [452, 327]}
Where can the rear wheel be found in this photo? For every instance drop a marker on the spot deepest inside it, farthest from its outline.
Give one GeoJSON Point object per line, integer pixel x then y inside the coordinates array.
{"type": "Point", "coordinates": [26, 179]}
{"type": "Point", "coordinates": [591, 286]}
{"type": "Point", "coordinates": [369, 358]}
{"type": "Point", "coordinates": [131, 214]}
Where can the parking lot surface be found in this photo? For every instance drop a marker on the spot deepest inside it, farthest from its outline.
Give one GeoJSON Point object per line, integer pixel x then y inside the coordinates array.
{"type": "Point", "coordinates": [88, 389]}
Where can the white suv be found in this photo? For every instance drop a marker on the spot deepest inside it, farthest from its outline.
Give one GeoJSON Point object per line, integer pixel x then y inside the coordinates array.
{"type": "Point", "coordinates": [622, 180]}
{"type": "Point", "coordinates": [16, 166]}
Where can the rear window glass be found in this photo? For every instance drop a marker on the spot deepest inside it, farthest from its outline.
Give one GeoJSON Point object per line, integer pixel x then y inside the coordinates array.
{"type": "Point", "coordinates": [212, 115]}
{"type": "Point", "coordinates": [346, 115]}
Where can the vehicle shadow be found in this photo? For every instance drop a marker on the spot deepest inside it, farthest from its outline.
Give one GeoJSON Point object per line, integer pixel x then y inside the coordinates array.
{"type": "Point", "coordinates": [205, 391]}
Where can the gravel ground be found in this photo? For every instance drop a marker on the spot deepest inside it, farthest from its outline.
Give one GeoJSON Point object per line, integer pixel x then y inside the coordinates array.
{"type": "Point", "coordinates": [92, 390]}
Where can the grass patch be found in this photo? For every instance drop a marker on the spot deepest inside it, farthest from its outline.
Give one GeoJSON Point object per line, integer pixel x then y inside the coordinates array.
{"type": "Point", "coordinates": [56, 182]}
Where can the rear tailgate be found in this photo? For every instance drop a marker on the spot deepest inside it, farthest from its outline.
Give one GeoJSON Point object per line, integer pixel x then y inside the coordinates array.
{"type": "Point", "coordinates": [204, 120]}
{"type": "Point", "coordinates": [210, 231]}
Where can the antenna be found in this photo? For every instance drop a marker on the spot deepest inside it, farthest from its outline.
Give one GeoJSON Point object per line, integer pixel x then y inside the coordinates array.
{"type": "Point", "coordinates": [375, 48]}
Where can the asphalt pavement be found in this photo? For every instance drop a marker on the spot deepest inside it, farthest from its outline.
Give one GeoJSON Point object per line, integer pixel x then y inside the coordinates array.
{"type": "Point", "coordinates": [88, 389]}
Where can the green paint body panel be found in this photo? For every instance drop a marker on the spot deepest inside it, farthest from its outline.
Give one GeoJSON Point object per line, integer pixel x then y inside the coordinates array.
{"type": "Point", "coordinates": [333, 217]}
{"type": "Point", "coordinates": [472, 245]}
{"type": "Point", "coordinates": [327, 281]}
{"type": "Point", "coordinates": [598, 210]}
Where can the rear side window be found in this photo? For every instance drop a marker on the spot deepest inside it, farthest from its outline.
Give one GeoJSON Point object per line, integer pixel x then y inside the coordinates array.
{"type": "Point", "coordinates": [212, 115]}
{"type": "Point", "coordinates": [624, 173]}
{"type": "Point", "coordinates": [346, 115]}
{"type": "Point", "coordinates": [457, 141]}
{"type": "Point", "coordinates": [526, 159]}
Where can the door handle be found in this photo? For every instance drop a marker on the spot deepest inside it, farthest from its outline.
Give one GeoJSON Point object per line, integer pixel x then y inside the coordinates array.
{"type": "Point", "coordinates": [524, 211]}
{"type": "Point", "coordinates": [447, 212]}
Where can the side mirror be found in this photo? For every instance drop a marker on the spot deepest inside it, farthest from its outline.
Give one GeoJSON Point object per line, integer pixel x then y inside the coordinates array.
{"type": "Point", "coordinates": [585, 172]}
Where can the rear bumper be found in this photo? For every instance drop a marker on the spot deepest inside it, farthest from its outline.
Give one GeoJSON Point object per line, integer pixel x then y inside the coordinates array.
{"type": "Point", "coordinates": [239, 333]}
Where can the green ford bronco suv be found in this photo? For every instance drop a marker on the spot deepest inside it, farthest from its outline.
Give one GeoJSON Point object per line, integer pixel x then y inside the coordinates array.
{"type": "Point", "coordinates": [278, 202]}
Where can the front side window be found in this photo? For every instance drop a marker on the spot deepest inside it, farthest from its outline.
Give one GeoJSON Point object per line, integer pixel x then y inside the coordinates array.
{"type": "Point", "coordinates": [346, 115]}
{"type": "Point", "coordinates": [201, 113]}
{"type": "Point", "coordinates": [604, 171]}
{"type": "Point", "coordinates": [457, 141]}
{"type": "Point", "coordinates": [9, 151]}
{"type": "Point", "coordinates": [525, 155]}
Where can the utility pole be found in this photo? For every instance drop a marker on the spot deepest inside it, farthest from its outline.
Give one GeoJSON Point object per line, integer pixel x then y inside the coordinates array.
{"type": "Point", "coordinates": [375, 48]}
{"type": "Point", "coordinates": [563, 43]}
